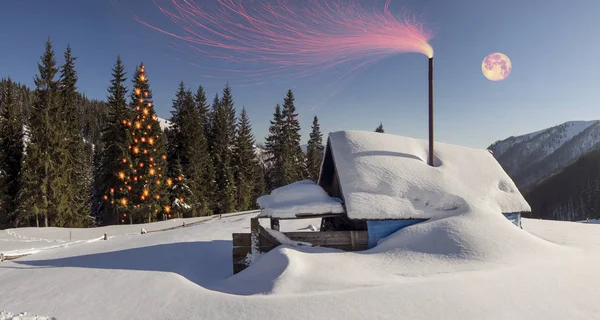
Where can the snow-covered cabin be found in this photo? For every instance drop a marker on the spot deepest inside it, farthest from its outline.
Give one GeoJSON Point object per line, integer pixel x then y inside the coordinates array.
{"type": "Point", "coordinates": [385, 183]}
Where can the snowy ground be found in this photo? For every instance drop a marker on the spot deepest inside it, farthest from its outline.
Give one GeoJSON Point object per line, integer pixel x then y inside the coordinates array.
{"type": "Point", "coordinates": [469, 266]}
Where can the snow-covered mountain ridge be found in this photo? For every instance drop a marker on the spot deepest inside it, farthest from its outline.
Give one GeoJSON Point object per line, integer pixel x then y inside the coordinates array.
{"type": "Point", "coordinates": [164, 123]}
{"type": "Point", "coordinates": [532, 157]}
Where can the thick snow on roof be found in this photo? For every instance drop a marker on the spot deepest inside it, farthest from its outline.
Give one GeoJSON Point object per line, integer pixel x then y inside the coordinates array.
{"type": "Point", "coordinates": [385, 176]}
{"type": "Point", "coordinates": [302, 197]}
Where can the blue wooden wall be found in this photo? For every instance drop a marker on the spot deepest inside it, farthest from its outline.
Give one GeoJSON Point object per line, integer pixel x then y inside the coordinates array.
{"type": "Point", "coordinates": [379, 229]}
{"type": "Point", "coordinates": [514, 218]}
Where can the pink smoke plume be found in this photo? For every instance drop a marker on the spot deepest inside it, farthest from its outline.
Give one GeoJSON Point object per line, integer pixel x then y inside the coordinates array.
{"type": "Point", "coordinates": [297, 36]}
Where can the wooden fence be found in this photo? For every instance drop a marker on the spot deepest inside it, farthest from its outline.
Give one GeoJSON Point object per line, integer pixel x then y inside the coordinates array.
{"type": "Point", "coordinates": [244, 246]}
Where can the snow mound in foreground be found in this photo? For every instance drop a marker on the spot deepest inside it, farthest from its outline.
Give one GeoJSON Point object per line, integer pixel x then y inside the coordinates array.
{"type": "Point", "coordinates": [477, 238]}
{"type": "Point", "coordinates": [477, 234]}
{"type": "Point", "coordinates": [22, 316]}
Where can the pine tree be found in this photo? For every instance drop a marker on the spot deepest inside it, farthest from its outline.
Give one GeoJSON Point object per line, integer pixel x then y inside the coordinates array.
{"type": "Point", "coordinates": [224, 133]}
{"type": "Point", "coordinates": [203, 111]}
{"type": "Point", "coordinates": [179, 195]}
{"type": "Point", "coordinates": [274, 146]}
{"type": "Point", "coordinates": [188, 150]}
{"type": "Point", "coordinates": [294, 168]}
{"type": "Point", "coordinates": [74, 169]}
{"type": "Point", "coordinates": [380, 128]}
{"type": "Point", "coordinates": [11, 155]}
{"type": "Point", "coordinates": [111, 151]}
{"type": "Point", "coordinates": [314, 153]}
{"type": "Point", "coordinates": [174, 134]}
{"type": "Point", "coordinates": [206, 119]}
{"type": "Point", "coordinates": [147, 155]}
{"type": "Point", "coordinates": [39, 173]}
{"type": "Point", "coordinates": [246, 167]}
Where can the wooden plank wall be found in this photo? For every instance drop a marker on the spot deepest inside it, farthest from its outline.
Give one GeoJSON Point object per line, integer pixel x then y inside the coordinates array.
{"type": "Point", "coordinates": [243, 246]}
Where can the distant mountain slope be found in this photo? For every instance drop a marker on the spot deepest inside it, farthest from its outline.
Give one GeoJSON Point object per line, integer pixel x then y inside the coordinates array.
{"type": "Point", "coordinates": [530, 158]}
{"type": "Point", "coordinates": [164, 123]}
{"type": "Point", "coordinates": [573, 194]}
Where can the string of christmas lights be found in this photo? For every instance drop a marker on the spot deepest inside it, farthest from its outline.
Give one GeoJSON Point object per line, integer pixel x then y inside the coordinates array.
{"type": "Point", "coordinates": [144, 183]}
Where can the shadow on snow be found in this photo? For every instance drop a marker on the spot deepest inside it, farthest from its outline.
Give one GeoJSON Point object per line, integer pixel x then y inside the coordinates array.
{"type": "Point", "coordinates": [207, 264]}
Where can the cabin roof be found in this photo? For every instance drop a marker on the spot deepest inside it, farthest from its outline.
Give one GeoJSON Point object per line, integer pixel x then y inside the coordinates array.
{"type": "Point", "coordinates": [384, 176]}
{"type": "Point", "coordinates": [299, 199]}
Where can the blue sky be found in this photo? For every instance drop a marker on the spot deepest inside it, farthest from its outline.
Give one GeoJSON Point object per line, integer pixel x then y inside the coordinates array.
{"type": "Point", "coordinates": [553, 46]}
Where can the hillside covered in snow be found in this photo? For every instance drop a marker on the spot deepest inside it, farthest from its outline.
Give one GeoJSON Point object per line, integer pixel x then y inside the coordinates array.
{"type": "Point", "coordinates": [464, 267]}
{"type": "Point", "coordinates": [530, 158]}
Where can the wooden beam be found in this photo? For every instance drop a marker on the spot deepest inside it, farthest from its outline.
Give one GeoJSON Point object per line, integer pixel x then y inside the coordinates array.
{"type": "Point", "coordinates": [311, 216]}
{"type": "Point", "coordinates": [241, 240]}
{"type": "Point", "coordinates": [266, 239]}
{"type": "Point", "coordinates": [330, 238]}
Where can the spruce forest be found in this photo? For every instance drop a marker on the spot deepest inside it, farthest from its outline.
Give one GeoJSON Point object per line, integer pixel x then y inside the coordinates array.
{"type": "Point", "coordinates": [70, 161]}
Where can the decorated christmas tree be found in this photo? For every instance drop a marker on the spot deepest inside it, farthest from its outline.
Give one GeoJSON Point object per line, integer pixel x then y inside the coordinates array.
{"type": "Point", "coordinates": [143, 193]}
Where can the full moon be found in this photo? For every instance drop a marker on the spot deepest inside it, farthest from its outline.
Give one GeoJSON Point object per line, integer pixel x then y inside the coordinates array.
{"type": "Point", "coordinates": [496, 67]}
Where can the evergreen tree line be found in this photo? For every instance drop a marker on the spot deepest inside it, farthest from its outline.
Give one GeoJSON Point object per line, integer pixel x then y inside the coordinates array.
{"type": "Point", "coordinates": [64, 158]}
